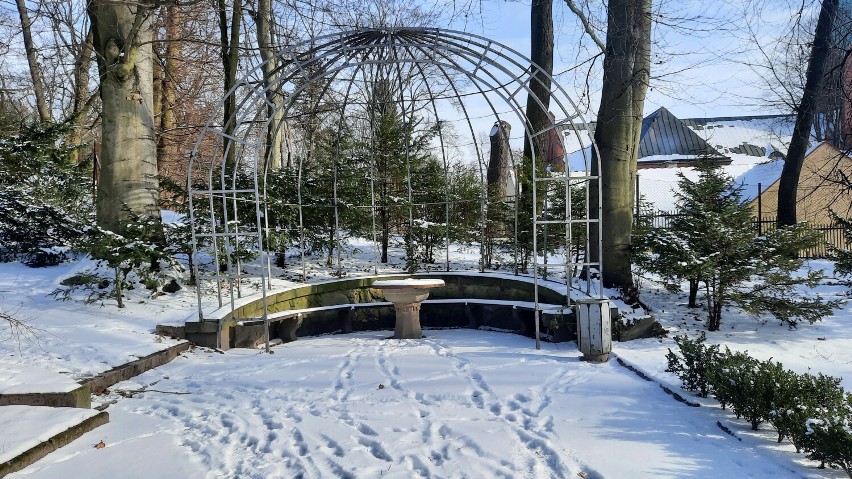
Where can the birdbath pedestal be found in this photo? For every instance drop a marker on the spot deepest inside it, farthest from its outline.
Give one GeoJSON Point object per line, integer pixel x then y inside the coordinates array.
{"type": "Point", "coordinates": [406, 296]}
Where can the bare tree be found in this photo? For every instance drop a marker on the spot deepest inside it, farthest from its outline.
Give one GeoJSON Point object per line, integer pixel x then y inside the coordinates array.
{"type": "Point", "coordinates": [168, 84]}
{"type": "Point", "coordinates": [229, 33]}
{"type": "Point", "coordinates": [274, 112]}
{"type": "Point", "coordinates": [82, 99]}
{"type": "Point", "coordinates": [541, 54]}
{"type": "Point", "coordinates": [789, 181]}
{"type": "Point", "coordinates": [18, 328]}
{"type": "Point", "coordinates": [32, 60]}
{"type": "Point", "coordinates": [626, 75]}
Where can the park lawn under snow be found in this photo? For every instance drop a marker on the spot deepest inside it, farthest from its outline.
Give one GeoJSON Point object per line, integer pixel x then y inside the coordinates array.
{"type": "Point", "coordinates": [459, 403]}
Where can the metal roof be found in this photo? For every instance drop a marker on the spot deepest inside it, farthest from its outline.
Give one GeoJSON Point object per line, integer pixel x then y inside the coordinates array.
{"type": "Point", "coordinates": [749, 149]}
{"type": "Point", "coordinates": [664, 134]}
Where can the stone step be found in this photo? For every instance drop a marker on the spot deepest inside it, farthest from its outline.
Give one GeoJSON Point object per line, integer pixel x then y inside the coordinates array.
{"type": "Point", "coordinates": [80, 396]}
{"type": "Point", "coordinates": [32, 432]}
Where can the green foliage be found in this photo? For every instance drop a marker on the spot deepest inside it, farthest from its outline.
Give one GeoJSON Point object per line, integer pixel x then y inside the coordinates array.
{"type": "Point", "coordinates": [464, 187]}
{"type": "Point", "coordinates": [34, 232]}
{"type": "Point", "coordinates": [830, 431]}
{"type": "Point", "coordinates": [430, 185]}
{"type": "Point", "coordinates": [712, 241]}
{"type": "Point", "coordinates": [726, 375]}
{"type": "Point", "coordinates": [44, 201]}
{"type": "Point", "coordinates": [694, 363]}
{"type": "Point", "coordinates": [178, 233]}
{"type": "Point", "coordinates": [775, 264]}
{"type": "Point", "coordinates": [130, 253]}
{"type": "Point", "coordinates": [525, 203]}
{"type": "Point", "coordinates": [760, 388]}
{"type": "Point", "coordinates": [806, 397]}
{"type": "Point", "coordinates": [332, 173]}
{"type": "Point", "coordinates": [812, 411]}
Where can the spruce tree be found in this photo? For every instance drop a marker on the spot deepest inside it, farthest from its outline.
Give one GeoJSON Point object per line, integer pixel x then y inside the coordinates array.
{"type": "Point", "coordinates": [712, 241]}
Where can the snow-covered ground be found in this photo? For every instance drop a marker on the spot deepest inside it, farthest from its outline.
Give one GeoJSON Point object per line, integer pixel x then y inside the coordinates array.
{"type": "Point", "coordinates": [459, 403]}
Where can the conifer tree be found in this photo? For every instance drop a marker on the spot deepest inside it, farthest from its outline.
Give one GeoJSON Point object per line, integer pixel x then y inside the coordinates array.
{"type": "Point", "coordinates": [712, 241]}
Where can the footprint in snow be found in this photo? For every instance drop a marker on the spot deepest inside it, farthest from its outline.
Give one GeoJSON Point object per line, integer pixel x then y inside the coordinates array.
{"type": "Point", "coordinates": [375, 449]}
{"type": "Point", "coordinates": [366, 430]}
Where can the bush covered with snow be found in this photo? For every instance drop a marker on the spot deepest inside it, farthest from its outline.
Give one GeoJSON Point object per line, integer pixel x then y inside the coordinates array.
{"type": "Point", "coordinates": [812, 411]}
{"type": "Point", "coordinates": [34, 232]}
{"type": "Point", "coordinates": [830, 435]}
{"type": "Point", "coordinates": [727, 374]}
{"type": "Point", "coordinates": [694, 363]}
{"type": "Point", "coordinates": [807, 397]}
{"type": "Point", "coordinates": [44, 200]}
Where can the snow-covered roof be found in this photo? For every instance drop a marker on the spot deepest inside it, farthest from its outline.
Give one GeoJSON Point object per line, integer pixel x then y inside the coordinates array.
{"type": "Point", "coordinates": [749, 135]}
{"type": "Point", "coordinates": [659, 186]}
{"type": "Point", "coordinates": [751, 142]}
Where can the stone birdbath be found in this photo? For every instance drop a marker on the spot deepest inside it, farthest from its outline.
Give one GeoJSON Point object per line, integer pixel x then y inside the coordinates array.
{"type": "Point", "coordinates": [406, 296]}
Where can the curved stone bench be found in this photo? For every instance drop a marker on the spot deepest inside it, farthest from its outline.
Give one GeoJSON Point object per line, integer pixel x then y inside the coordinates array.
{"type": "Point", "coordinates": [475, 300]}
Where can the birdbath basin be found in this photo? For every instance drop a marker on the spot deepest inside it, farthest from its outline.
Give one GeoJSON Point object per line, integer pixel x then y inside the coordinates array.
{"type": "Point", "coordinates": [406, 296]}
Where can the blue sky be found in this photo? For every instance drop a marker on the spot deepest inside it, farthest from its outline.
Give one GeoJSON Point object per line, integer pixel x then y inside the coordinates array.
{"type": "Point", "coordinates": [702, 68]}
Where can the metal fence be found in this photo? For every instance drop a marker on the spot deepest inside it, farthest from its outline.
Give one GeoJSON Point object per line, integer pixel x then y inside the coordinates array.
{"type": "Point", "coordinates": [832, 234]}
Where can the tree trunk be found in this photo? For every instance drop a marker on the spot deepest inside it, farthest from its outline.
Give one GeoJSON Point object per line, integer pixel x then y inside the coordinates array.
{"type": "Point", "coordinates": [714, 291]}
{"type": "Point", "coordinates": [625, 80]}
{"type": "Point", "coordinates": [500, 162]}
{"type": "Point", "coordinates": [230, 38]}
{"type": "Point", "coordinates": [541, 53]}
{"type": "Point", "coordinates": [383, 217]}
{"type": "Point", "coordinates": [119, 286]}
{"type": "Point", "coordinates": [693, 293]}
{"type": "Point", "coordinates": [274, 112]}
{"type": "Point", "coordinates": [166, 152]}
{"type": "Point", "coordinates": [128, 170]}
{"type": "Point", "coordinates": [789, 182]}
{"type": "Point", "coordinates": [35, 70]}
{"type": "Point", "coordinates": [80, 106]}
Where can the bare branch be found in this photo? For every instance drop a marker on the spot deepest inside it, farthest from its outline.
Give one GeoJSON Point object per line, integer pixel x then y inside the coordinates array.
{"type": "Point", "coordinates": [586, 25]}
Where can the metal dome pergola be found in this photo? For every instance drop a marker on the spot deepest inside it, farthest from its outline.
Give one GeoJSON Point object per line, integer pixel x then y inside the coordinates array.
{"type": "Point", "coordinates": [435, 73]}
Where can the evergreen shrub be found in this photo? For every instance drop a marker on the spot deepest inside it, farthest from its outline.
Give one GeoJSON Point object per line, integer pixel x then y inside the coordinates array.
{"type": "Point", "coordinates": [712, 242]}
{"type": "Point", "coordinates": [812, 411]}
{"type": "Point", "coordinates": [694, 364]}
{"type": "Point", "coordinates": [805, 398]}
{"type": "Point", "coordinates": [44, 200]}
{"type": "Point", "coordinates": [34, 232]}
{"type": "Point", "coordinates": [760, 388]}
{"type": "Point", "coordinates": [830, 435]}
{"type": "Point", "coordinates": [725, 376]}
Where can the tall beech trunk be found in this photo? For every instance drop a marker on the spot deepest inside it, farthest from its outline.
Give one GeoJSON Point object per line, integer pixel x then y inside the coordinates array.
{"type": "Point", "coordinates": [626, 72]}
{"type": "Point", "coordinates": [128, 160]}
{"type": "Point", "coordinates": [789, 182]}
{"type": "Point", "coordinates": [35, 70]}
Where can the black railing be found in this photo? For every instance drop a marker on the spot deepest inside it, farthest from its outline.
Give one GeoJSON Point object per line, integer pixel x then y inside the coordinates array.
{"type": "Point", "coordinates": [832, 234]}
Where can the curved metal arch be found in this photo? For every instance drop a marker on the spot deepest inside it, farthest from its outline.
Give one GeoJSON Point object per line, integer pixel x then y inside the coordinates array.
{"type": "Point", "coordinates": [518, 60]}
{"type": "Point", "coordinates": [491, 67]}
